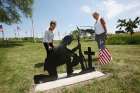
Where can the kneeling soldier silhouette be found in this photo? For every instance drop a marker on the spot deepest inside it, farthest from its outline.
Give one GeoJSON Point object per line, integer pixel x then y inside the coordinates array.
{"type": "Point", "coordinates": [62, 55]}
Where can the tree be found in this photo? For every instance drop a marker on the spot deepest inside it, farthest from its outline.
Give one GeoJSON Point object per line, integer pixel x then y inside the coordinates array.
{"type": "Point", "coordinates": [128, 25]}
{"type": "Point", "coordinates": [83, 33]}
{"type": "Point", "coordinates": [121, 23]}
{"type": "Point", "coordinates": [75, 34]}
{"type": "Point", "coordinates": [12, 10]}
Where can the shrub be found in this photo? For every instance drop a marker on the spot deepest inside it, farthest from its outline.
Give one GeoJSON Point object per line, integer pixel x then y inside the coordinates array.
{"type": "Point", "coordinates": [123, 39]}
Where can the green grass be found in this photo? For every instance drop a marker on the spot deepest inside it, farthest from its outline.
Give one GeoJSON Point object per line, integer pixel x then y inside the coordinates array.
{"type": "Point", "coordinates": [17, 68]}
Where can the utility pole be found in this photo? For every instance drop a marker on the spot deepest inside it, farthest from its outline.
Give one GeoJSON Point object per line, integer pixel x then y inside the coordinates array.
{"type": "Point", "coordinates": [33, 30]}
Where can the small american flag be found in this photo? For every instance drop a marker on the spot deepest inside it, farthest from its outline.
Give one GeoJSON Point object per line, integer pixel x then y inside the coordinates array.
{"type": "Point", "coordinates": [104, 56]}
{"type": "Point", "coordinates": [1, 28]}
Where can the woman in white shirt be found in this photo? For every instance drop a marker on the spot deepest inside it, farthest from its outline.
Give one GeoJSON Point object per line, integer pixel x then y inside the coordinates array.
{"type": "Point", "coordinates": [100, 30]}
{"type": "Point", "coordinates": [48, 37]}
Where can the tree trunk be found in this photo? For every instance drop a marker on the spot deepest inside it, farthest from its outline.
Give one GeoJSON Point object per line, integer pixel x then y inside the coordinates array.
{"type": "Point", "coordinates": [131, 37]}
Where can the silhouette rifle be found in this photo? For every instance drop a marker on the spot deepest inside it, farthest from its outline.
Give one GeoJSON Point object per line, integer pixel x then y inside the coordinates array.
{"type": "Point", "coordinates": [82, 58]}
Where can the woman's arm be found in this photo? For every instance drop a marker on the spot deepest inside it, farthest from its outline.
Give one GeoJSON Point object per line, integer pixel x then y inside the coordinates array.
{"type": "Point", "coordinates": [103, 24]}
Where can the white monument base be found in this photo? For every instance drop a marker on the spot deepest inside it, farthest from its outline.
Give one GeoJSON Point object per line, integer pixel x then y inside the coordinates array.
{"type": "Point", "coordinates": [68, 81]}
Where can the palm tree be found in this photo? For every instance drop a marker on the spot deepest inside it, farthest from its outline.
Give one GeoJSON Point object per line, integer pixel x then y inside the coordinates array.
{"type": "Point", "coordinates": [128, 25]}
{"type": "Point", "coordinates": [121, 23]}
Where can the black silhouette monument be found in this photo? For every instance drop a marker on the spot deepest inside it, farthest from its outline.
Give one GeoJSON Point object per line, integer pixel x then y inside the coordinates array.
{"type": "Point", "coordinates": [62, 55]}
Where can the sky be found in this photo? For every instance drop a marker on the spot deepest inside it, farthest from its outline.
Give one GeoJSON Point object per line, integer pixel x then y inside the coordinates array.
{"type": "Point", "coordinates": [71, 13]}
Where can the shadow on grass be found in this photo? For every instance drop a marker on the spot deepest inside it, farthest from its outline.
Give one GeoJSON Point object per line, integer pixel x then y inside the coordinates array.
{"type": "Point", "coordinates": [10, 45]}
{"type": "Point", "coordinates": [38, 65]}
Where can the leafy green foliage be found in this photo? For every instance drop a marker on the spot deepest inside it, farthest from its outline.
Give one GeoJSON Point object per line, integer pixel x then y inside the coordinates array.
{"type": "Point", "coordinates": [12, 10]}
{"type": "Point", "coordinates": [83, 34]}
{"type": "Point", "coordinates": [75, 34]}
{"type": "Point", "coordinates": [123, 39]}
{"type": "Point", "coordinates": [128, 25]}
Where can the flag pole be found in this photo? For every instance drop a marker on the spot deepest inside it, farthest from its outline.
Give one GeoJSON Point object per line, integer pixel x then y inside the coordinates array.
{"type": "Point", "coordinates": [3, 35]}
{"type": "Point", "coordinates": [1, 30]}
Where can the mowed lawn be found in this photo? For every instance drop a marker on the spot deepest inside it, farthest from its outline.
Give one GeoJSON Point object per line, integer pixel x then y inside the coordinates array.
{"type": "Point", "coordinates": [21, 61]}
